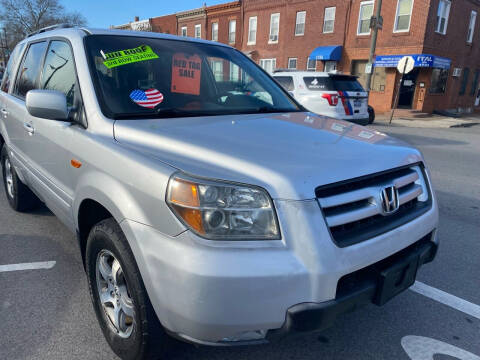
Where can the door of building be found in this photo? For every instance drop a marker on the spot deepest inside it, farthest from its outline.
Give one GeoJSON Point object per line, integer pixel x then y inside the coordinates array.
{"type": "Point", "coordinates": [407, 89]}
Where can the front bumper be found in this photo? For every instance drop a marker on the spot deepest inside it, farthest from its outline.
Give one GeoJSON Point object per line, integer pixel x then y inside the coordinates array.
{"type": "Point", "coordinates": [212, 293]}
{"type": "Point", "coordinates": [358, 289]}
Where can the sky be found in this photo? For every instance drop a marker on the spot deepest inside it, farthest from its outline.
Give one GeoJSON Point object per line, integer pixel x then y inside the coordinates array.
{"type": "Point", "coordinates": [103, 13]}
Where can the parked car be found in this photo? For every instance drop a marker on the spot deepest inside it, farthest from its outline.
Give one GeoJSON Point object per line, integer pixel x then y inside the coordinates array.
{"type": "Point", "coordinates": [330, 94]}
{"type": "Point", "coordinates": [208, 204]}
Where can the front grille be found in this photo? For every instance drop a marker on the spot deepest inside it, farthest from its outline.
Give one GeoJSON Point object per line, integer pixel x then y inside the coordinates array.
{"type": "Point", "coordinates": [353, 209]}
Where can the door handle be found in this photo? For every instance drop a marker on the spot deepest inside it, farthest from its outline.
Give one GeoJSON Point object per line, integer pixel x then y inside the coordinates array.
{"type": "Point", "coordinates": [29, 128]}
{"type": "Point", "coordinates": [4, 112]}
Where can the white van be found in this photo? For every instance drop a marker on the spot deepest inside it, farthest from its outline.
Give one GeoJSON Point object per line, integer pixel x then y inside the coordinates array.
{"type": "Point", "coordinates": [331, 94]}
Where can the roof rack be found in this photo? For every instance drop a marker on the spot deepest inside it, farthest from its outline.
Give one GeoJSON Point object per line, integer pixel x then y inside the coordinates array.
{"type": "Point", "coordinates": [50, 28]}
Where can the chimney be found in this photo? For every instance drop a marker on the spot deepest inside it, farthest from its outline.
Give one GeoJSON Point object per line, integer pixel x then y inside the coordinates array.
{"type": "Point", "coordinates": [136, 18]}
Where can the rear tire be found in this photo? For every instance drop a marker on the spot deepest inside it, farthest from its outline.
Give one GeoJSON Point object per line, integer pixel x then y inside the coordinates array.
{"type": "Point", "coordinates": [142, 336]}
{"type": "Point", "coordinates": [371, 115]}
{"type": "Point", "coordinates": [19, 196]}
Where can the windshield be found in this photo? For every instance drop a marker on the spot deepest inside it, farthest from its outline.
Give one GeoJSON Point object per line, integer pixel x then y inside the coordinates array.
{"type": "Point", "coordinates": [332, 83]}
{"type": "Point", "coordinates": [138, 77]}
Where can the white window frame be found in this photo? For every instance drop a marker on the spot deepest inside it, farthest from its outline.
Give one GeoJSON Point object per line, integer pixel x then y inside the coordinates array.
{"type": "Point", "coordinates": [362, 4]}
{"type": "Point", "coordinates": [273, 62]}
{"type": "Point", "coordinates": [297, 23]}
{"type": "Point", "coordinates": [252, 40]}
{"type": "Point", "coordinates": [325, 19]}
{"type": "Point", "coordinates": [215, 31]}
{"type": "Point", "coordinates": [448, 5]}
{"type": "Point", "coordinates": [186, 31]}
{"type": "Point", "coordinates": [311, 68]}
{"type": "Point", "coordinates": [232, 32]}
{"type": "Point", "coordinates": [199, 28]}
{"type": "Point", "coordinates": [471, 26]}
{"type": "Point", "coordinates": [270, 35]}
{"type": "Point", "coordinates": [292, 59]}
{"type": "Point", "coordinates": [396, 18]}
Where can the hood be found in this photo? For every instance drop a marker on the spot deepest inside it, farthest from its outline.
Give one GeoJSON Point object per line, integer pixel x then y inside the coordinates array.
{"type": "Point", "coordinates": [289, 154]}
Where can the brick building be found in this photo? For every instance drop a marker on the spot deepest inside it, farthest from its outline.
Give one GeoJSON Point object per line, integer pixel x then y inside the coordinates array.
{"type": "Point", "coordinates": [166, 24]}
{"type": "Point", "coordinates": [283, 33]}
{"type": "Point", "coordinates": [442, 36]}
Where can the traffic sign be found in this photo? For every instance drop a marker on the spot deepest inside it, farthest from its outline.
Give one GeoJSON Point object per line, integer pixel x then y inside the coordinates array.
{"type": "Point", "coordinates": [406, 64]}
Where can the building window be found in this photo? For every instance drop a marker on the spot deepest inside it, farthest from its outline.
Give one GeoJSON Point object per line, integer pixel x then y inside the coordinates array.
{"type": "Point", "coordinates": [366, 12]}
{"type": "Point", "coordinates": [234, 72]}
{"type": "Point", "coordinates": [442, 16]}
{"type": "Point", "coordinates": [311, 64]}
{"type": "Point", "coordinates": [292, 63]}
{"type": "Point", "coordinates": [438, 84]}
{"type": "Point", "coordinates": [232, 29]}
{"type": "Point", "coordinates": [217, 69]}
{"type": "Point", "coordinates": [274, 28]}
{"type": "Point", "coordinates": [198, 31]}
{"type": "Point", "coordinates": [300, 23]}
{"type": "Point", "coordinates": [184, 31]}
{"type": "Point", "coordinates": [215, 31]}
{"type": "Point", "coordinates": [329, 20]}
{"type": "Point", "coordinates": [268, 64]}
{"type": "Point", "coordinates": [463, 87]}
{"type": "Point", "coordinates": [330, 66]}
{"type": "Point", "coordinates": [474, 87]}
{"type": "Point", "coordinates": [252, 30]}
{"type": "Point", "coordinates": [471, 26]}
{"type": "Point", "coordinates": [403, 16]}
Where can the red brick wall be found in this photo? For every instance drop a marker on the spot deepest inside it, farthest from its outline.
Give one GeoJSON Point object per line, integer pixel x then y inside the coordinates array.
{"type": "Point", "coordinates": [164, 24]}
{"type": "Point", "coordinates": [454, 46]}
{"type": "Point", "coordinates": [222, 14]}
{"type": "Point", "coordinates": [290, 45]}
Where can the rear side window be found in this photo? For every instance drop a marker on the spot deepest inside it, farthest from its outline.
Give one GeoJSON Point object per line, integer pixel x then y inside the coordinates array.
{"type": "Point", "coordinates": [318, 83]}
{"type": "Point", "coordinates": [28, 73]}
{"type": "Point", "coordinates": [346, 83]}
{"type": "Point", "coordinates": [59, 71]}
{"type": "Point", "coordinates": [10, 66]}
{"type": "Point", "coordinates": [286, 82]}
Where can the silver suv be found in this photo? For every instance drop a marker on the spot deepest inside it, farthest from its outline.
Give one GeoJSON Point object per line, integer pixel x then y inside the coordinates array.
{"type": "Point", "coordinates": [208, 204]}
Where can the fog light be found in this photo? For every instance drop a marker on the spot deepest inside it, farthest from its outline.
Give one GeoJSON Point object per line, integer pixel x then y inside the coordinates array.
{"type": "Point", "coordinates": [247, 336]}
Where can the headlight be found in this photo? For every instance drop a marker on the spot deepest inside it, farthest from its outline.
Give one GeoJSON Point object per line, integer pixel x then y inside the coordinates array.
{"type": "Point", "coordinates": [223, 211]}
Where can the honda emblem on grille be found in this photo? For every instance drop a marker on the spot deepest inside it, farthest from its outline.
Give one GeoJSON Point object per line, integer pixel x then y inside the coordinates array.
{"type": "Point", "coordinates": [390, 201]}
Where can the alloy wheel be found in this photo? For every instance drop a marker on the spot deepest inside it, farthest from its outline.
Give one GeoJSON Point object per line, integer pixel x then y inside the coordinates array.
{"type": "Point", "coordinates": [114, 294]}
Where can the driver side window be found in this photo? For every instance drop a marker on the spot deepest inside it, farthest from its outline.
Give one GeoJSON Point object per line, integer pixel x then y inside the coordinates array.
{"type": "Point", "coordinates": [59, 71]}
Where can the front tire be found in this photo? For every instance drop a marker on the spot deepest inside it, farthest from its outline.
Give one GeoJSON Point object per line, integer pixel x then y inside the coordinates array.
{"type": "Point", "coordinates": [120, 300]}
{"type": "Point", "coordinates": [19, 196]}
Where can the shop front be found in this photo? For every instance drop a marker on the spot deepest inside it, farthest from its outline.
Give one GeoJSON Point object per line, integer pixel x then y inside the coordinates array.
{"type": "Point", "coordinates": [428, 77]}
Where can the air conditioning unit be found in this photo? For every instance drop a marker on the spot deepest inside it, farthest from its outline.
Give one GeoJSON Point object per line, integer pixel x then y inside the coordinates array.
{"type": "Point", "coordinates": [273, 38]}
{"type": "Point", "coordinates": [457, 72]}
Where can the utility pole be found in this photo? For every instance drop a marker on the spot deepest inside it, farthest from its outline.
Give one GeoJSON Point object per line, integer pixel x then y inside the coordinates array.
{"type": "Point", "coordinates": [376, 23]}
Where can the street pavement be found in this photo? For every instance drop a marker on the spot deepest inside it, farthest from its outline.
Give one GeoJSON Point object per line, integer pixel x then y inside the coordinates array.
{"type": "Point", "coordinates": [47, 313]}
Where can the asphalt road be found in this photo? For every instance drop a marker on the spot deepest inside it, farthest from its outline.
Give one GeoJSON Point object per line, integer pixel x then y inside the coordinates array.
{"type": "Point", "coordinates": [47, 314]}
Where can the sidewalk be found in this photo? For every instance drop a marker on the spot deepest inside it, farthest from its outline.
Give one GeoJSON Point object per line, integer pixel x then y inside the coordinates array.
{"type": "Point", "coordinates": [432, 121]}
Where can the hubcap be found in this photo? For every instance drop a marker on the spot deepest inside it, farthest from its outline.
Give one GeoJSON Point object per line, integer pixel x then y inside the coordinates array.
{"type": "Point", "coordinates": [114, 294]}
{"type": "Point", "coordinates": [9, 178]}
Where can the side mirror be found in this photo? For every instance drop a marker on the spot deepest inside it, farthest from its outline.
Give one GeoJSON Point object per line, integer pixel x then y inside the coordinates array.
{"type": "Point", "coordinates": [47, 104]}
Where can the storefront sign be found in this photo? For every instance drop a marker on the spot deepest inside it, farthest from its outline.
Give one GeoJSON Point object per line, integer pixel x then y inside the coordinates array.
{"type": "Point", "coordinates": [421, 60]}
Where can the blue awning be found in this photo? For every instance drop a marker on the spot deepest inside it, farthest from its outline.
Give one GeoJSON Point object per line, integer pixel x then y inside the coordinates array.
{"type": "Point", "coordinates": [327, 53]}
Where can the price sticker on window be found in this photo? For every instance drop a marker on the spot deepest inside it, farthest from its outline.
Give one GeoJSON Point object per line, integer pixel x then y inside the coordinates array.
{"type": "Point", "coordinates": [186, 73]}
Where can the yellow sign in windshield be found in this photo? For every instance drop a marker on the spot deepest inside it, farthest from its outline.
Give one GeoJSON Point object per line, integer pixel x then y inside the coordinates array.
{"type": "Point", "coordinates": [128, 56]}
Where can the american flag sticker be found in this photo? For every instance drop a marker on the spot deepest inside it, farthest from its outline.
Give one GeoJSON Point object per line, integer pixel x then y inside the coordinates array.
{"type": "Point", "coordinates": [148, 98]}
